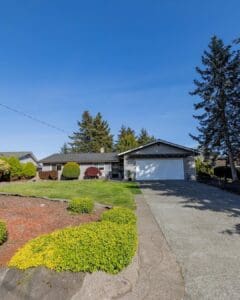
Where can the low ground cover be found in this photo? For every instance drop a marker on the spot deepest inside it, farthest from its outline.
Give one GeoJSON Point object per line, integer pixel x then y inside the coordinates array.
{"type": "Point", "coordinates": [106, 192]}
{"type": "Point", "coordinates": [98, 246]}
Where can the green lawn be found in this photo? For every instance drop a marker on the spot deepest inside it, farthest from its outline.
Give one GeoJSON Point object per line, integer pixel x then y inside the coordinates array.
{"type": "Point", "coordinates": [106, 192]}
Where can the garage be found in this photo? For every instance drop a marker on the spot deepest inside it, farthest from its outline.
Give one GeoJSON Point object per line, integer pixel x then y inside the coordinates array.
{"type": "Point", "coordinates": [159, 169]}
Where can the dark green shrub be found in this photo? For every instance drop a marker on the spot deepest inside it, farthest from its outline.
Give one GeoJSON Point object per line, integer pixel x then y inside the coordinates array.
{"type": "Point", "coordinates": [71, 170]}
{"type": "Point", "coordinates": [29, 170]}
{"type": "Point", "coordinates": [224, 172]}
{"type": "Point", "coordinates": [98, 246]}
{"type": "Point", "coordinates": [120, 215]}
{"type": "Point", "coordinates": [4, 169]}
{"type": "Point", "coordinates": [81, 205]}
{"type": "Point", "coordinates": [3, 232]}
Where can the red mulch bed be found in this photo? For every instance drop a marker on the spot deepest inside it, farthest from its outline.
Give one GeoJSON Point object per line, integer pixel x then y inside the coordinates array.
{"type": "Point", "coordinates": [28, 218]}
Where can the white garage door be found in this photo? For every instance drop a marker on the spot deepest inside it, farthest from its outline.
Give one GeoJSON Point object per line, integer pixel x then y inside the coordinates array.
{"type": "Point", "coordinates": [159, 169]}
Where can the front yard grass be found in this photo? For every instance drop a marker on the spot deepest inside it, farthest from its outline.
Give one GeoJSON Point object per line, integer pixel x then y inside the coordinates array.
{"type": "Point", "coordinates": [105, 192]}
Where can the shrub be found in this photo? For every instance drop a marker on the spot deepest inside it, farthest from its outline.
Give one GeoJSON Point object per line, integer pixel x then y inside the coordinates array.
{"type": "Point", "coordinates": [204, 170]}
{"type": "Point", "coordinates": [4, 168]}
{"type": "Point", "coordinates": [46, 175]}
{"type": "Point", "coordinates": [71, 170]}
{"type": "Point", "coordinates": [120, 215]}
{"type": "Point", "coordinates": [3, 232]}
{"type": "Point", "coordinates": [15, 167]}
{"type": "Point", "coordinates": [224, 172]}
{"type": "Point", "coordinates": [97, 246]}
{"type": "Point", "coordinates": [29, 170]}
{"type": "Point", "coordinates": [81, 205]}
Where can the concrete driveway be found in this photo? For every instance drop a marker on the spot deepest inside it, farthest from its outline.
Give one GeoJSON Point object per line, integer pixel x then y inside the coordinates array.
{"type": "Point", "coordinates": [202, 226]}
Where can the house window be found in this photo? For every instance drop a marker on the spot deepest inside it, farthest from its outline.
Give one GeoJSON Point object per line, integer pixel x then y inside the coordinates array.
{"type": "Point", "coordinates": [101, 167]}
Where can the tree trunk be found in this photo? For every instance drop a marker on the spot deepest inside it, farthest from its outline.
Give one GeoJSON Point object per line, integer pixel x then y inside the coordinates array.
{"type": "Point", "coordinates": [232, 166]}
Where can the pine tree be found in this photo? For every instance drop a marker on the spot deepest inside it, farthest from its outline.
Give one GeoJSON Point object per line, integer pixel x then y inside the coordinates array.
{"type": "Point", "coordinates": [144, 138]}
{"type": "Point", "coordinates": [126, 139]}
{"type": "Point", "coordinates": [101, 136]}
{"type": "Point", "coordinates": [82, 139]}
{"type": "Point", "coordinates": [219, 90]}
{"type": "Point", "coordinates": [64, 149]}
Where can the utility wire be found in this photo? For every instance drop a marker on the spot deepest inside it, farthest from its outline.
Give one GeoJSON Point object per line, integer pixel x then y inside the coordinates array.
{"type": "Point", "coordinates": [26, 115]}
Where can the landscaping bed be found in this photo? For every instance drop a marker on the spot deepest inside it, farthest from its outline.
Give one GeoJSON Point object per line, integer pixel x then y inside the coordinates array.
{"type": "Point", "coordinates": [27, 218]}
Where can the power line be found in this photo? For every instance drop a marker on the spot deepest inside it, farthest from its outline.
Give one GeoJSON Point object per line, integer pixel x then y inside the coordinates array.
{"type": "Point", "coordinates": [26, 115]}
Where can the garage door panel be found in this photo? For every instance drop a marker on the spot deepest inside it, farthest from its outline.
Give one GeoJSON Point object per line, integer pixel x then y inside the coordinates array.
{"type": "Point", "coordinates": [159, 169]}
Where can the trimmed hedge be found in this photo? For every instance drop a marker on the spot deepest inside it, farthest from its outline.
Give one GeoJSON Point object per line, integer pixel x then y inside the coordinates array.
{"type": "Point", "coordinates": [81, 205]}
{"type": "Point", "coordinates": [98, 246]}
{"type": "Point", "coordinates": [225, 172]}
{"type": "Point", "coordinates": [120, 215]}
{"type": "Point", "coordinates": [71, 170]}
{"type": "Point", "coordinates": [3, 232]}
{"type": "Point", "coordinates": [29, 170]}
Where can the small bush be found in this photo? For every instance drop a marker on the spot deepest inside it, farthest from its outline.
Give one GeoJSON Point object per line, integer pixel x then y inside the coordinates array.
{"type": "Point", "coordinates": [204, 170]}
{"type": "Point", "coordinates": [48, 175]}
{"type": "Point", "coordinates": [97, 246]}
{"type": "Point", "coordinates": [29, 170]}
{"type": "Point", "coordinates": [224, 172]}
{"type": "Point", "coordinates": [15, 167]}
{"type": "Point", "coordinates": [3, 232]}
{"type": "Point", "coordinates": [81, 205]}
{"type": "Point", "coordinates": [4, 168]}
{"type": "Point", "coordinates": [120, 215]}
{"type": "Point", "coordinates": [71, 170]}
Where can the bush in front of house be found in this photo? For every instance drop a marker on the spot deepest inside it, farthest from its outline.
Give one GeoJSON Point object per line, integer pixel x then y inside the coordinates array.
{"type": "Point", "coordinates": [81, 205]}
{"type": "Point", "coordinates": [15, 167]}
{"type": "Point", "coordinates": [98, 246]}
{"type": "Point", "coordinates": [3, 232]}
{"type": "Point", "coordinates": [29, 170]}
{"type": "Point", "coordinates": [4, 169]}
{"type": "Point", "coordinates": [225, 172]}
{"type": "Point", "coordinates": [120, 215]}
{"type": "Point", "coordinates": [204, 170]}
{"type": "Point", "coordinates": [71, 170]}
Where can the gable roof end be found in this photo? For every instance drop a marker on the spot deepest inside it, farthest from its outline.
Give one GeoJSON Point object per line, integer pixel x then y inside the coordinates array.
{"type": "Point", "coordinates": [159, 141]}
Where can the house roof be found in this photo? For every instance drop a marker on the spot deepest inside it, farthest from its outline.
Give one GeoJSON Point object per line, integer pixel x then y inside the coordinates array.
{"type": "Point", "coordinates": [80, 158]}
{"type": "Point", "coordinates": [18, 154]}
{"type": "Point", "coordinates": [159, 141]}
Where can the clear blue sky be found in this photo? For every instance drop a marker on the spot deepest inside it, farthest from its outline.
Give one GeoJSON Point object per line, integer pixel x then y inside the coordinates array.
{"type": "Point", "coordinates": [131, 60]}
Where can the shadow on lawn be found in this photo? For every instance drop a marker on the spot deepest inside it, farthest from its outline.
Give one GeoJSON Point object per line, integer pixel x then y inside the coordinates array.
{"type": "Point", "coordinates": [200, 196]}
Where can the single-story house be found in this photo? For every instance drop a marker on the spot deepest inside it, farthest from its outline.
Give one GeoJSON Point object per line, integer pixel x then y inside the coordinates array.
{"type": "Point", "coordinates": [158, 160]}
{"type": "Point", "coordinates": [23, 156]}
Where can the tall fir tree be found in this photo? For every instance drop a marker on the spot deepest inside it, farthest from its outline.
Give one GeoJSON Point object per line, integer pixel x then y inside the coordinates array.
{"type": "Point", "coordinates": [101, 136]}
{"type": "Point", "coordinates": [82, 138]}
{"type": "Point", "coordinates": [219, 90]}
{"type": "Point", "coordinates": [144, 137]}
{"type": "Point", "coordinates": [126, 139]}
{"type": "Point", "coordinates": [64, 149]}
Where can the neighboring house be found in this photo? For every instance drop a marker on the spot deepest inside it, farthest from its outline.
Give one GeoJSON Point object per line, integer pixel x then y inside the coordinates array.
{"type": "Point", "coordinates": [159, 160]}
{"type": "Point", "coordinates": [23, 156]}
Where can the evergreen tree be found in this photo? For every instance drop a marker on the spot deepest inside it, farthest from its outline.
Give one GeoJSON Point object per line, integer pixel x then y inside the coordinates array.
{"type": "Point", "coordinates": [101, 136]}
{"type": "Point", "coordinates": [64, 149]}
{"type": "Point", "coordinates": [144, 138]}
{"type": "Point", "coordinates": [82, 139]}
{"type": "Point", "coordinates": [126, 139]}
{"type": "Point", "coordinates": [219, 90]}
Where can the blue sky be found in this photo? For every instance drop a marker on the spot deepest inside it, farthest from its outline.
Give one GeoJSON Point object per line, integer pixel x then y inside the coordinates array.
{"type": "Point", "coordinates": [131, 60]}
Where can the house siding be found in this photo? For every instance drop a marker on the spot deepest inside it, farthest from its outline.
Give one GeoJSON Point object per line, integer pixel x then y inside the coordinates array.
{"type": "Point", "coordinates": [160, 149]}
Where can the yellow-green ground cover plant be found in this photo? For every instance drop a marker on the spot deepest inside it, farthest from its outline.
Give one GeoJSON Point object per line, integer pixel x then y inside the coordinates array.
{"type": "Point", "coordinates": [3, 232]}
{"type": "Point", "coordinates": [81, 205]}
{"type": "Point", "coordinates": [98, 246]}
{"type": "Point", "coordinates": [120, 215]}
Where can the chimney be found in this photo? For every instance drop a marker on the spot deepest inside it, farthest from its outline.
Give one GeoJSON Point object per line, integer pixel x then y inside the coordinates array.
{"type": "Point", "coordinates": [102, 150]}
